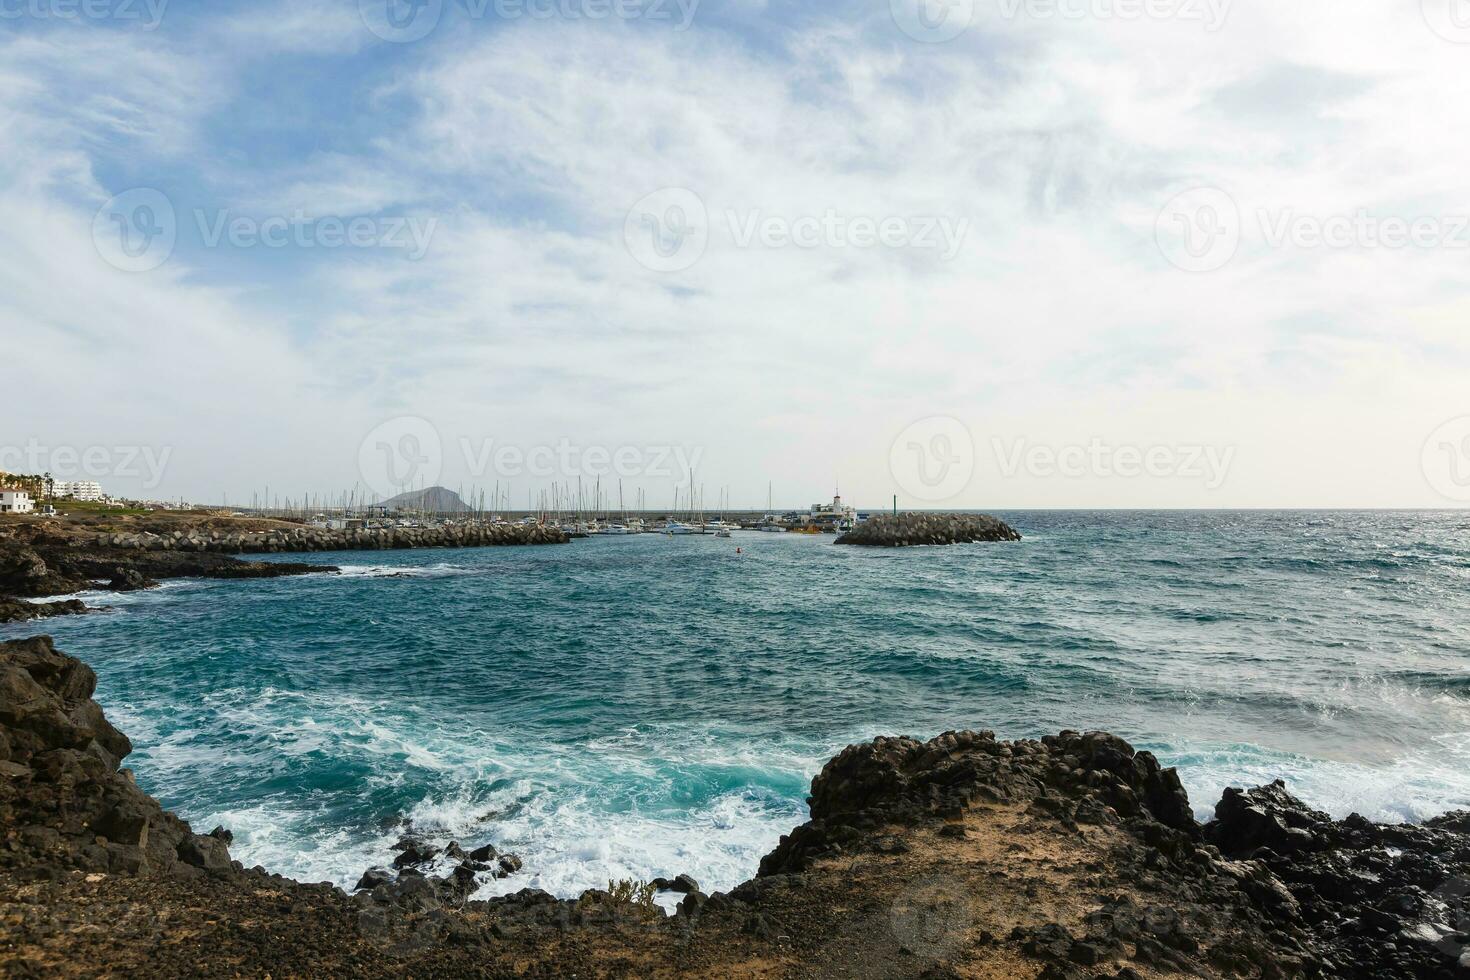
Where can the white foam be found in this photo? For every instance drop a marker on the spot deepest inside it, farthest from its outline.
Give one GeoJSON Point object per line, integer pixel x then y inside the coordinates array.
{"type": "Point", "coordinates": [437, 570]}
{"type": "Point", "coordinates": [111, 598]}
{"type": "Point", "coordinates": [296, 842]}
{"type": "Point", "coordinates": [566, 845]}
{"type": "Point", "coordinates": [1409, 790]}
{"type": "Point", "coordinates": [570, 848]}
{"type": "Point", "coordinates": [578, 816]}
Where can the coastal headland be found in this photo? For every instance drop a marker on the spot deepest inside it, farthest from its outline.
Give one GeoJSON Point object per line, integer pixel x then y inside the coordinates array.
{"type": "Point", "coordinates": [1072, 856]}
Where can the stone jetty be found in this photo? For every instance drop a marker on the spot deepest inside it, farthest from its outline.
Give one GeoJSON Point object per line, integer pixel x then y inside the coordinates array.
{"type": "Point", "coordinates": [908, 530]}
{"type": "Point", "coordinates": [53, 559]}
{"type": "Point", "coordinates": [281, 540]}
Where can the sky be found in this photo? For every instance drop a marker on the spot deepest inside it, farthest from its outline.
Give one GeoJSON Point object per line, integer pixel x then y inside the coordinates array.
{"type": "Point", "coordinates": [961, 253]}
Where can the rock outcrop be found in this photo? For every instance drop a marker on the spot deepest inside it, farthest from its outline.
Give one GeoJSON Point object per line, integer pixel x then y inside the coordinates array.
{"type": "Point", "coordinates": [14, 611]}
{"type": "Point", "coordinates": [901, 780]}
{"type": "Point", "coordinates": [1173, 905]}
{"type": "Point", "coordinates": [65, 803]}
{"type": "Point", "coordinates": [909, 530]}
{"type": "Point", "coordinates": [1380, 900]}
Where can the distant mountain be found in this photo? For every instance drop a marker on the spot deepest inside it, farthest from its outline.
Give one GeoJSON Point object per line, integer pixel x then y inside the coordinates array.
{"type": "Point", "coordinates": [434, 500]}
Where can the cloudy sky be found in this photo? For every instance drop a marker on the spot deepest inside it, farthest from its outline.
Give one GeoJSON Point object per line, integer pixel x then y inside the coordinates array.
{"type": "Point", "coordinates": [1000, 253]}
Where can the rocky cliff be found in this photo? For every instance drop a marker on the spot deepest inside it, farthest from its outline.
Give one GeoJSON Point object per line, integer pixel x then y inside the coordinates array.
{"type": "Point", "coordinates": [962, 856]}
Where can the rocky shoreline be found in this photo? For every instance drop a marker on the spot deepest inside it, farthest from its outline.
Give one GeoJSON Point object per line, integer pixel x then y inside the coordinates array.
{"type": "Point", "coordinates": [912, 530]}
{"type": "Point", "coordinates": [963, 856]}
{"type": "Point", "coordinates": [17, 611]}
{"type": "Point", "coordinates": [50, 558]}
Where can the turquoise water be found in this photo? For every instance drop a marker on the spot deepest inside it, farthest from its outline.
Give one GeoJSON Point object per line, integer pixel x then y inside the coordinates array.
{"type": "Point", "coordinates": [633, 707]}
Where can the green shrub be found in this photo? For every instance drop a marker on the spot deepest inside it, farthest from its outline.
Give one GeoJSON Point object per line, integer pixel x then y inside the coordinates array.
{"type": "Point", "coordinates": [622, 894]}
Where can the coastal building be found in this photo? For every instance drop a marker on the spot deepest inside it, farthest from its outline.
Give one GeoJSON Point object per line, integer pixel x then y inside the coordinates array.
{"type": "Point", "coordinates": [77, 490]}
{"type": "Point", "coordinates": [14, 500]}
{"type": "Point", "coordinates": [835, 514]}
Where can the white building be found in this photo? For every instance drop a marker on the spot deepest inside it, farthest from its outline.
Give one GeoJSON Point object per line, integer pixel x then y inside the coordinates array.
{"type": "Point", "coordinates": [834, 513]}
{"type": "Point", "coordinates": [15, 501]}
{"type": "Point", "coordinates": [77, 489]}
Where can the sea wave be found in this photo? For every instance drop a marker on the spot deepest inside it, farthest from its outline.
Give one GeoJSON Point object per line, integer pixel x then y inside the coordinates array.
{"type": "Point", "coordinates": [434, 570]}
{"type": "Point", "coordinates": [102, 596]}
{"type": "Point", "coordinates": [1408, 790]}
{"type": "Point", "coordinates": [651, 706]}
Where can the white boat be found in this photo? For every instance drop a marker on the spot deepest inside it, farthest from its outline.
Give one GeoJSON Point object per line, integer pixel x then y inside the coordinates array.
{"type": "Point", "coordinates": [675, 527]}
{"type": "Point", "coordinates": [615, 530]}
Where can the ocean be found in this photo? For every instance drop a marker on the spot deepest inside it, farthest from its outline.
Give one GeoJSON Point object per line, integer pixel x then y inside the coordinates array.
{"type": "Point", "coordinates": [644, 706]}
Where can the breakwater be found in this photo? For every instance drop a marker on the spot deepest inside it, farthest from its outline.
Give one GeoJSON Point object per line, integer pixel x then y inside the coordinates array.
{"type": "Point", "coordinates": [281, 540]}
{"type": "Point", "coordinates": [908, 530]}
{"type": "Point", "coordinates": [46, 560]}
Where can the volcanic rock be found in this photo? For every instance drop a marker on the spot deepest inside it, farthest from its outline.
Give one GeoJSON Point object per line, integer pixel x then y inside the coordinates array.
{"type": "Point", "coordinates": [86, 813]}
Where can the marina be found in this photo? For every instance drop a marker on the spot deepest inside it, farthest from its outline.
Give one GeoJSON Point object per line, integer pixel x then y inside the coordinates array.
{"type": "Point", "coordinates": [566, 509]}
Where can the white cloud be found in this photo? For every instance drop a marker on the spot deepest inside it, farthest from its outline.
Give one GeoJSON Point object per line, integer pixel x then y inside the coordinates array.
{"type": "Point", "coordinates": [294, 26]}
{"type": "Point", "coordinates": [1058, 319]}
{"type": "Point", "coordinates": [95, 90]}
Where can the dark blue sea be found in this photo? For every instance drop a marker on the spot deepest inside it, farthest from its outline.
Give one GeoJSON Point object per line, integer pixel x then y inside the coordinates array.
{"type": "Point", "coordinates": [634, 707]}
